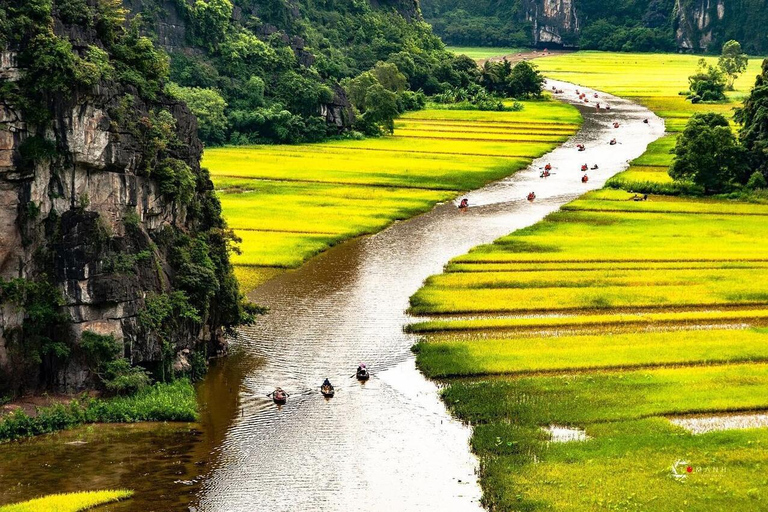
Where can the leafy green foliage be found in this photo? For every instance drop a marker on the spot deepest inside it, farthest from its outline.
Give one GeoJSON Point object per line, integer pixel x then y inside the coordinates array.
{"type": "Point", "coordinates": [37, 340]}
{"type": "Point", "coordinates": [521, 81]}
{"type": "Point", "coordinates": [708, 154]}
{"type": "Point", "coordinates": [117, 376]}
{"type": "Point", "coordinates": [208, 106]}
{"type": "Point", "coordinates": [753, 117]}
{"type": "Point", "coordinates": [732, 61]}
{"type": "Point", "coordinates": [707, 84]}
{"type": "Point", "coordinates": [628, 25]}
{"type": "Point", "coordinates": [175, 401]}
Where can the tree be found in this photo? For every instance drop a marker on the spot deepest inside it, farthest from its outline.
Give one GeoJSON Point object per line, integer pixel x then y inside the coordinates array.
{"type": "Point", "coordinates": [208, 106]}
{"type": "Point", "coordinates": [707, 84]}
{"type": "Point", "coordinates": [382, 108]}
{"type": "Point", "coordinates": [357, 88]}
{"type": "Point", "coordinates": [732, 61]}
{"type": "Point", "coordinates": [753, 117]}
{"type": "Point", "coordinates": [524, 81]}
{"type": "Point", "coordinates": [708, 154]}
{"type": "Point", "coordinates": [389, 76]}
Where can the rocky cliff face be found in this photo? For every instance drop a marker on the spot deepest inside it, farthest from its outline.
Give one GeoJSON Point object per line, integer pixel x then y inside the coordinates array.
{"type": "Point", "coordinates": [90, 217]}
{"type": "Point", "coordinates": [554, 22]}
{"type": "Point", "coordinates": [695, 21]}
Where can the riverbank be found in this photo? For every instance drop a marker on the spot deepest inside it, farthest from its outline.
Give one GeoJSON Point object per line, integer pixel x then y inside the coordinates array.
{"type": "Point", "coordinates": [568, 344]}
{"type": "Point", "coordinates": [175, 401]}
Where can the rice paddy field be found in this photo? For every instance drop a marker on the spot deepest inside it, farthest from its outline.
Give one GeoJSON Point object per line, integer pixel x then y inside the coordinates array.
{"type": "Point", "coordinates": [607, 319]}
{"type": "Point", "coordinates": [70, 502]}
{"type": "Point", "coordinates": [288, 203]}
{"type": "Point", "coordinates": [479, 52]}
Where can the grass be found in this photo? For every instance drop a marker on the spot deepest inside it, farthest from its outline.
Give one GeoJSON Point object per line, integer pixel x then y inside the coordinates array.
{"type": "Point", "coordinates": [479, 52]}
{"type": "Point", "coordinates": [70, 502]}
{"type": "Point", "coordinates": [288, 203]}
{"type": "Point", "coordinates": [609, 316]}
{"type": "Point", "coordinates": [175, 401]}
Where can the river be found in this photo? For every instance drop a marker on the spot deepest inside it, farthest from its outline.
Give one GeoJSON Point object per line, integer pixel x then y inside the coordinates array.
{"type": "Point", "coordinates": [388, 444]}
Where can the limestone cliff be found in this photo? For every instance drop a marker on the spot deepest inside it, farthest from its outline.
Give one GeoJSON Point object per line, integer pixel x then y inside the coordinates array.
{"type": "Point", "coordinates": [554, 22]}
{"type": "Point", "coordinates": [95, 212]}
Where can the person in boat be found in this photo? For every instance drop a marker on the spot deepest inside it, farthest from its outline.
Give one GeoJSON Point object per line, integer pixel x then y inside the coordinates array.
{"type": "Point", "coordinates": [464, 203]}
{"type": "Point", "coordinates": [645, 121]}
{"type": "Point", "coordinates": [584, 178]}
{"type": "Point", "coordinates": [584, 167]}
{"type": "Point", "coordinates": [598, 105]}
{"type": "Point", "coordinates": [616, 124]}
{"type": "Point", "coordinates": [327, 383]}
{"type": "Point", "coordinates": [548, 167]}
{"type": "Point", "coordinates": [607, 107]}
{"type": "Point", "coordinates": [594, 167]}
{"type": "Point", "coordinates": [595, 95]}
{"type": "Point", "coordinates": [613, 142]}
{"type": "Point", "coordinates": [531, 196]}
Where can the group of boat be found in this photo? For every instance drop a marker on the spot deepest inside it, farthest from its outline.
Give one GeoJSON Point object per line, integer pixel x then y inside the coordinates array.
{"type": "Point", "coordinates": [280, 396]}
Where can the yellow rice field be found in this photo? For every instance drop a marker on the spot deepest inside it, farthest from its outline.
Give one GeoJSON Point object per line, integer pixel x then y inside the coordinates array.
{"type": "Point", "coordinates": [288, 203]}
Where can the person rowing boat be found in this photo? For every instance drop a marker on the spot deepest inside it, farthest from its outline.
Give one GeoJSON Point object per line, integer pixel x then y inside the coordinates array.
{"type": "Point", "coordinates": [548, 167]}
{"type": "Point", "coordinates": [584, 167]}
{"type": "Point", "coordinates": [584, 178]}
{"type": "Point", "coordinates": [327, 389]}
{"type": "Point", "coordinates": [531, 196]}
{"type": "Point", "coordinates": [279, 396]}
{"type": "Point", "coordinates": [464, 204]}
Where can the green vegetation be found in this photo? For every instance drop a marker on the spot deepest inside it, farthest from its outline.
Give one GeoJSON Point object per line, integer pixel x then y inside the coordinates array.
{"type": "Point", "coordinates": [707, 84]}
{"type": "Point", "coordinates": [609, 316]}
{"type": "Point", "coordinates": [732, 61]}
{"type": "Point", "coordinates": [624, 26]}
{"type": "Point", "coordinates": [175, 401]}
{"type": "Point", "coordinates": [70, 502]}
{"type": "Point", "coordinates": [310, 197]}
{"type": "Point", "coordinates": [484, 52]}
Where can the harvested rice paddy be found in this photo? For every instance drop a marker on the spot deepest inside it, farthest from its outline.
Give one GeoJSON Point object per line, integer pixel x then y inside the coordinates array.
{"type": "Point", "coordinates": [288, 203]}
{"type": "Point", "coordinates": [610, 318]}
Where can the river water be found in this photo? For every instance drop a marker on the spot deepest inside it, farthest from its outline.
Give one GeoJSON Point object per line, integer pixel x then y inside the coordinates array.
{"type": "Point", "coordinates": [388, 444]}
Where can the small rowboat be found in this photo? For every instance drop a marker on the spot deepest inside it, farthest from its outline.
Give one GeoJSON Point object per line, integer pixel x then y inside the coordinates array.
{"type": "Point", "coordinates": [327, 391]}
{"type": "Point", "coordinates": [279, 396]}
{"type": "Point", "coordinates": [363, 374]}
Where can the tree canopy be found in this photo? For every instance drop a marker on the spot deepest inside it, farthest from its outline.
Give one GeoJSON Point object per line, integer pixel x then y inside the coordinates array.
{"type": "Point", "coordinates": [732, 62]}
{"type": "Point", "coordinates": [708, 154]}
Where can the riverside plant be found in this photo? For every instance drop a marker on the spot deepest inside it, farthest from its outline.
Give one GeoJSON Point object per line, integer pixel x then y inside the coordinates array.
{"type": "Point", "coordinates": [174, 401]}
{"type": "Point", "coordinates": [69, 502]}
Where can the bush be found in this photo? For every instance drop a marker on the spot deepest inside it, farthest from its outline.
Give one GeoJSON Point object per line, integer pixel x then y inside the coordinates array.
{"type": "Point", "coordinates": [708, 154]}
{"type": "Point", "coordinates": [707, 84]}
{"type": "Point", "coordinates": [756, 181]}
{"type": "Point", "coordinates": [175, 401]}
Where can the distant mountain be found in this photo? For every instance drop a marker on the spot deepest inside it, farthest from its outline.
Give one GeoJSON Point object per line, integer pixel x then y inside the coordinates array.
{"type": "Point", "coordinates": [623, 25]}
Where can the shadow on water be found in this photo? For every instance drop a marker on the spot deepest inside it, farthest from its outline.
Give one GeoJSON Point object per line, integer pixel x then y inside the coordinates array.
{"type": "Point", "coordinates": [387, 443]}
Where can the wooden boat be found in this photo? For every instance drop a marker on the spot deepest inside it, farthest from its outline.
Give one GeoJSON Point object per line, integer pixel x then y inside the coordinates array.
{"type": "Point", "coordinates": [279, 396]}
{"type": "Point", "coordinates": [327, 391]}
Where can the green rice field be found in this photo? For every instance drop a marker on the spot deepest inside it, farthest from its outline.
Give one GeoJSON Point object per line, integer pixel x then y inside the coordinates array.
{"type": "Point", "coordinates": [479, 52]}
{"type": "Point", "coordinates": [288, 203]}
{"type": "Point", "coordinates": [605, 319]}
